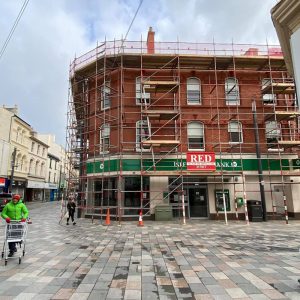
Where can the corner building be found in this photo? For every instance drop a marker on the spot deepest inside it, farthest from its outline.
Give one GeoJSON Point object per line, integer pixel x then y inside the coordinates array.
{"type": "Point", "coordinates": [196, 127]}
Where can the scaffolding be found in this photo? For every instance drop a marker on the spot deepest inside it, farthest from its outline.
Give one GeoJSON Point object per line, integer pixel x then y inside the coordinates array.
{"type": "Point", "coordinates": [135, 111]}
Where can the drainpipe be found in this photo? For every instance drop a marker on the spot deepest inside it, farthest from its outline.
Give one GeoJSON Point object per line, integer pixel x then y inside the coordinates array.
{"type": "Point", "coordinates": [260, 176]}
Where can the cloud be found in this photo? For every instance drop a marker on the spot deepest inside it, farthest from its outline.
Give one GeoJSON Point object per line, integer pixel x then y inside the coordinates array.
{"type": "Point", "coordinates": [34, 68]}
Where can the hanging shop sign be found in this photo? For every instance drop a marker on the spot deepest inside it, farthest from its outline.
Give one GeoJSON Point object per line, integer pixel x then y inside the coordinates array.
{"type": "Point", "coordinates": [201, 161]}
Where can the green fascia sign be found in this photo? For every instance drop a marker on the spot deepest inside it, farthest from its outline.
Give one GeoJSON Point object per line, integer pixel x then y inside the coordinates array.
{"type": "Point", "coordinates": [296, 163]}
{"type": "Point", "coordinates": [135, 165]}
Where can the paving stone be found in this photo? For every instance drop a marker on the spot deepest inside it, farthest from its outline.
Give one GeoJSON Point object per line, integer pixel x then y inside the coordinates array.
{"type": "Point", "coordinates": [162, 260]}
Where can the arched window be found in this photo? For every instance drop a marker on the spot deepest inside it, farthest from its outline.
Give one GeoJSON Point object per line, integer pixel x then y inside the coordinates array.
{"type": "Point", "coordinates": [142, 134]}
{"type": "Point", "coordinates": [37, 165]}
{"type": "Point", "coordinates": [104, 138]}
{"type": "Point", "coordinates": [23, 163]}
{"type": "Point", "coordinates": [140, 95]}
{"type": "Point", "coordinates": [31, 164]}
{"type": "Point", "coordinates": [193, 91]}
{"type": "Point", "coordinates": [232, 94]}
{"type": "Point", "coordinates": [195, 133]}
{"type": "Point", "coordinates": [235, 132]}
{"type": "Point", "coordinates": [42, 169]}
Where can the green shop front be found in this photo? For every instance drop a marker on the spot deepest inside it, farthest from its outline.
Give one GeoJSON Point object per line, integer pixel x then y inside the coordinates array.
{"type": "Point", "coordinates": [129, 184]}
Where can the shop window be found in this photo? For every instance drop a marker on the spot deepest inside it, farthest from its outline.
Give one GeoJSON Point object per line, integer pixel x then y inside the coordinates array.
{"type": "Point", "coordinates": [132, 195]}
{"type": "Point", "coordinates": [232, 94]}
{"type": "Point", "coordinates": [140, 95]}
{"type": "Point", "coordinates": [195, 133]}
{"type": "Point", "coordinates": [193, 91]}
{"type": "Point", "coordinates": [105, 193]}
{"type": "Point", "coordinates": [235, 132]}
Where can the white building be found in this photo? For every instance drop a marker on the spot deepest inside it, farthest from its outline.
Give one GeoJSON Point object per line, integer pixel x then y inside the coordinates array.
{"type": "Point", "coordinates": [15, 132]}
{"type": "Point", "coordinates": [36, 183]}
{"type": "Point", "coordinates": [55, 174]}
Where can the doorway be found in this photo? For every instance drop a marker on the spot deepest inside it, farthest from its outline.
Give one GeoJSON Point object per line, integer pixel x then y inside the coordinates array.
{"type": "Point", "coordinates": [198, 204]}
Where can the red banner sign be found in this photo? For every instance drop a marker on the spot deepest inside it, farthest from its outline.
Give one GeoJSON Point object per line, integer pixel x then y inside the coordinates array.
{"type": "Point", "coordinates": [2, 181]}
{"type": "Point", "coordinates": [201, 161]}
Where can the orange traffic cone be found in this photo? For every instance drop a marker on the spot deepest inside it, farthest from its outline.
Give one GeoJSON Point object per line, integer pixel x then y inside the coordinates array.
{"type": "Point", "coordinates": [107, 220]}
{"type": "Point", "coordinates": [141, 223]}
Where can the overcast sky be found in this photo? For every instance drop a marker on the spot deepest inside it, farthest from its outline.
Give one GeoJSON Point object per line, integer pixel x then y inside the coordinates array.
{"type": "Point", "coordinates": [34, 69]}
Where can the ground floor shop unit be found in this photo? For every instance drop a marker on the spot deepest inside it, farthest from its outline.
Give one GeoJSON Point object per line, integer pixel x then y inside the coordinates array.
{"type": "Point", "coordinates": [200, 194]}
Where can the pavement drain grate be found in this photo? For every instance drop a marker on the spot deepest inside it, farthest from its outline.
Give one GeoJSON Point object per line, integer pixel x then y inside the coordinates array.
{"type": "Point", "coordinates": [178, 275]}
{"type": "Point", "coordinates": [120, 276]}
{"type": "Point", "coordinates": [83, 247]}
{"type": "Point", "coordinates": [185, 290]}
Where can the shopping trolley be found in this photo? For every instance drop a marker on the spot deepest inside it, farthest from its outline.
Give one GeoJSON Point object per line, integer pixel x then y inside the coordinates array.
{"type": "Point", "coordinates": [15, 231]}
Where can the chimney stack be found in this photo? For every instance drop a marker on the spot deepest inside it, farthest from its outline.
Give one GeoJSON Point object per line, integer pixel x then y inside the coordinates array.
{"type": "Point", "coordinates": [150, 41]}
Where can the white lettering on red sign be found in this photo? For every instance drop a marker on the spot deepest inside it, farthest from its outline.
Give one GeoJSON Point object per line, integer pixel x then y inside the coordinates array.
{"type": "Point", "coordinates": [201, 161]}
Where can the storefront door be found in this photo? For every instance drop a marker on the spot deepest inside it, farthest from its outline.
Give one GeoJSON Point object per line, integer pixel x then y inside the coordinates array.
{"type": "Point", "coordinates": [198, 202]}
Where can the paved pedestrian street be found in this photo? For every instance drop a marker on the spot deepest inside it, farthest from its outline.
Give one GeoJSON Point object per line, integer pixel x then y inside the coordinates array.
{"type": "Point", "coordinates": [165, 260]}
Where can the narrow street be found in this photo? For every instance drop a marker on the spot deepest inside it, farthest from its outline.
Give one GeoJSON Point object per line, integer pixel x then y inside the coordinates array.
{"type": "Point", "coordinates": [202, 260]}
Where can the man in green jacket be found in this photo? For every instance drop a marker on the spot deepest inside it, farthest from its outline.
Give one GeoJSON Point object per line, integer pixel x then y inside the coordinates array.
{"type": "Point", "coordinates": [14, 210]}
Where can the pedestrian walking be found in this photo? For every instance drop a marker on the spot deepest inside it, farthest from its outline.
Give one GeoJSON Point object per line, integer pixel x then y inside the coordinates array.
{"type": "Point", "coordinates": [14, 210]}
{"type": "Point", "coordinates": [71, 210]}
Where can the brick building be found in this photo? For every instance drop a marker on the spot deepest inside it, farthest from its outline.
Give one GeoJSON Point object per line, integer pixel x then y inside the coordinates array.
{"type": "Point", "coordinates": [204, 127]}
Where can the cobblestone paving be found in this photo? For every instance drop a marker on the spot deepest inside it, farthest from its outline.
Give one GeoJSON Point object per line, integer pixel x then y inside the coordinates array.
{"type": "Point", "coordinates": [202, 260]}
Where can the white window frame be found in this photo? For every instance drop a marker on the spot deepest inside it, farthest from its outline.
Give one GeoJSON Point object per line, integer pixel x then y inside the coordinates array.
{"type": "Point", "coordinates": [272, 132]}
{"type": "Point", "coordinates": [268, 99]}
{"type": "Point", "coordinates": [138, 93]}
{"type": "Point", "coordinates": [193, 85]}
{"type": "Point", "coordinates": [104, 138]}
{"type": "Point", "coordinates": [140, 136]}
{"type": "Point", "coordinates": [235, 127]}
{"type": "Point", "coordinates": [232, 91]}
{"type": "Point", "coordinates": [200, 135]}
{"type": "Point", "coordinates": [105, 96]}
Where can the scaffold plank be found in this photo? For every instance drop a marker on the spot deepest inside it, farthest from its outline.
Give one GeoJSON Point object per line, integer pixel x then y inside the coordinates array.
{"type": "Point", "coordinates": [158, 143]}
{"type": "Point", "coordinates": [282, 115]}
{"type": "Point", "coordinates": [161, 114]}
{"type": "Point", "coordinates": [279, 88]}
{"type": "Point", "coordinates": [160, 86]}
